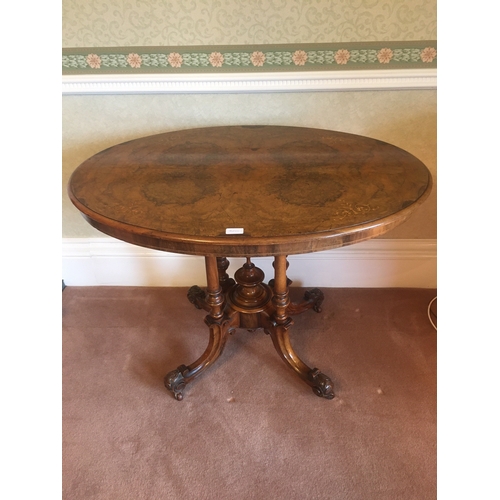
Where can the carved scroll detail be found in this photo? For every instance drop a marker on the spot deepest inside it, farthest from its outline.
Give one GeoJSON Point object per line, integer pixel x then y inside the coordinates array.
{"type": "Point", "coordinates": [175, 382]}
{"type": "Point", "coordinates": [312, 300]}
{"type": "Point", "coordinates": [321, 385]}
{"type": "Point", "coordinates": [197, 297]}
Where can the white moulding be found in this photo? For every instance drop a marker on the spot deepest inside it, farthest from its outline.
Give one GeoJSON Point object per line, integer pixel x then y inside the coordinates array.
{"type": "Point", "coordinates": [311, 81]}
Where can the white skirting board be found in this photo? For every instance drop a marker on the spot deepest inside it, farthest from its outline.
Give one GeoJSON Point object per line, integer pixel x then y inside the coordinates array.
{"type": "Point", "coordinates": [377, 263]}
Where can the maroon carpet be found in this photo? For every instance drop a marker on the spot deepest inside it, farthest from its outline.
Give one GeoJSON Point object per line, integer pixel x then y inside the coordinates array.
{"type": "Point", "coordinates": [248, 428]}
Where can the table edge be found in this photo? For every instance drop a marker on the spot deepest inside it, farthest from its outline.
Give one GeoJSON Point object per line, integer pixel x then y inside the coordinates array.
{"type": "Point", "coordinates": [243, 245]}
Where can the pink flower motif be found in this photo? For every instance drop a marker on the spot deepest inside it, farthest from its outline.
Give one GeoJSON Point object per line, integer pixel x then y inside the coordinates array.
{"type": "Point", "coordinates": [258, 58]}
{"type": "Point", "coordinates": [134, 60]}
{"type": "Point", "coordinates": [299, 57]}
{"type": "Point", "coordinates": [342, 56]}
{"type": "Point", "coordinates": [384, 55]}
{"type": "Point", "coordinates": [94, 61]}
{"type": "Point", "coordinates": [175, 59]}
{"type": "Point", "coordinates": [216, 59]}
{"type": "Point", "coordinates": [428, 54]}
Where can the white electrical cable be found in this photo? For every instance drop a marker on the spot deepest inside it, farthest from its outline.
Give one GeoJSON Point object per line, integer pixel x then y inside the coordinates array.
{"type": "Point", "coordinates": [429, 313]}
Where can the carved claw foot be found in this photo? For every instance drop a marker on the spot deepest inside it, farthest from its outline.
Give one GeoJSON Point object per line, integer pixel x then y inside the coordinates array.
{"type": "Point", "coordinates": [316, 297]}
{"type": "Point", "coordinates": [321, 385]}
{"type": "Point", "coordinates": [175, 382]}
{"type": "Point", "coordinates": [312, 300]}
{"type": "Point", "coordinates": [197, 297]}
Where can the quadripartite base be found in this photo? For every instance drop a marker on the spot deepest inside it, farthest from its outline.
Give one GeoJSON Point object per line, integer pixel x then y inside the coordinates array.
{"type": "Point", "coordinates": [246, 302]}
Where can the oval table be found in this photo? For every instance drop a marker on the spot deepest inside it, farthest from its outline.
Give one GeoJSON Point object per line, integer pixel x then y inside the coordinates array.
{"type": "Point", "coordinates": [247, 191]}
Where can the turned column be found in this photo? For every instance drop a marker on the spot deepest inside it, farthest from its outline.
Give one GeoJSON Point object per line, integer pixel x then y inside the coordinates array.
{"type": "Point", "coordinates": [225, 281]}
{"type": "Point", "coordinates": [214, 297]}
{"type": "Point", "coordinates": [281, 299]}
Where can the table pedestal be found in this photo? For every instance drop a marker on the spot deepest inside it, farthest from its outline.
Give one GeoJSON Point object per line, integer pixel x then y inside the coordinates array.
{"type": "Point", "coordinates": [246, 302]}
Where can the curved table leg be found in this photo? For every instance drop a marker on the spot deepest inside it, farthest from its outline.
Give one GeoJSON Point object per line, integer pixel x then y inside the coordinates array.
{"type": "Point", "coordinates": [321, 384]}
{"type": "Point", "coordinates": [176, 380]}
{"type": "Point", "coordinates": [219, 325]}
{"type": "Point", "coordinates": [277, 327]}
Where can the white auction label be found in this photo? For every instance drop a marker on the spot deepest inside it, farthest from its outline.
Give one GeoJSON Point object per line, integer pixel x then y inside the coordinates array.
{"type": "Point", "coordinates": [234, 230]}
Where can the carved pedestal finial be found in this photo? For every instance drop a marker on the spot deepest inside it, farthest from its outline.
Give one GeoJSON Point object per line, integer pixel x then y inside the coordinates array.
{"type": "Point", "coordinates": [249, 295]}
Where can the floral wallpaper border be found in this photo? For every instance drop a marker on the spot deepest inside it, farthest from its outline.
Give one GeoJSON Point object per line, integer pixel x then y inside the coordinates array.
{"type": "Point", "coordinates": [246, 58]}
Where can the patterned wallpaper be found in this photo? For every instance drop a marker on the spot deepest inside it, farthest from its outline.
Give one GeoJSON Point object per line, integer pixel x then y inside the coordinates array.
{"type": "Point", "coordinates": [128, 23]}
{"type": "Point", "coordinates": [127, 36]}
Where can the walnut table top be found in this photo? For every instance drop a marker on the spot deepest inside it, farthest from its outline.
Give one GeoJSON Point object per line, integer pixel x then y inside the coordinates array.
{"type": "Point", "coordinates": [255, 190]}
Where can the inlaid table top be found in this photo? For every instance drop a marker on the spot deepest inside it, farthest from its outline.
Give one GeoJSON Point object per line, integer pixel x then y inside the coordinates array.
{"type": "Point", "coordinates": [254, 190]}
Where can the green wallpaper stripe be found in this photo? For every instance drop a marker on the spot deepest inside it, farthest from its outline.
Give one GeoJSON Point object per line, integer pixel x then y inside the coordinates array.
{"type": "Point", "coordinates": [250, 58]}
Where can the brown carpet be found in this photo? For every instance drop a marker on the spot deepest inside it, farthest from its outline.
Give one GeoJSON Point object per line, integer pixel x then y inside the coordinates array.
{"type": "Point", "coordinates": [248, 428]}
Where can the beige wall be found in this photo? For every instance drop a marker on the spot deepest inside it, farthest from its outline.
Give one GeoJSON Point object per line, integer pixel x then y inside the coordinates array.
{"type": "Point", "coordinates": [94, 122]}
